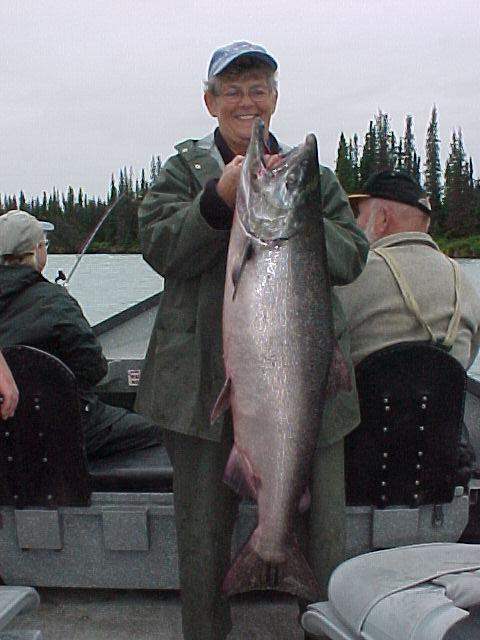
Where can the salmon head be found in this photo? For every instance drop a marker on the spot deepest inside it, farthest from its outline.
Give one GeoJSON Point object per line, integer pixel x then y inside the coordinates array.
{"type": "Point", "coordinates": [275, 204]}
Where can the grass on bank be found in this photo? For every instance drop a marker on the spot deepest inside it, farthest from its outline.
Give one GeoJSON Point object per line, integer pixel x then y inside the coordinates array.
{"type": "Point", "coordinates": [468, 247]}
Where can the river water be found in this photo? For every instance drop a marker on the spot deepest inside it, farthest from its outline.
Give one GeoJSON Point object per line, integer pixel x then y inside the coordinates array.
{"type": "Point", "coordinates": [105, 284]}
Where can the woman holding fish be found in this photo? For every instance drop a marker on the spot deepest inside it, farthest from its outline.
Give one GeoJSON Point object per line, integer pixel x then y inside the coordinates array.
{"type": "Point", "coordinates": [185, 227]}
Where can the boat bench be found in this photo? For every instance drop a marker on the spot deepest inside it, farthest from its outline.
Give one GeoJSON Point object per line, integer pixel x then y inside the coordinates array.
{"type": "Point", "coordinates": [147, 470]}
{"type": "Point", "coordinates": [69, 522]}
{"type": "Point", "coordinates": [14, 601]}
{"type": "Point", "coordinates": [418, 592]}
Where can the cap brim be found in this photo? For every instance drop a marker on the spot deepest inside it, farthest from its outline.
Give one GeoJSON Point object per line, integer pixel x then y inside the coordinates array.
{"type": "Point", "coordinates": [46, 226]}
{"type": "Point", "coordinates": [358, 196]}
{"type": "Point", "coordinates": [226, 62]}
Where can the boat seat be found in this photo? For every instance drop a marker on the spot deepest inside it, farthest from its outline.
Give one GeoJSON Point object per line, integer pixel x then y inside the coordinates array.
{"type": "Point", "coordinates": [406, 448]}
{"type": "Point", "coordinates": [418, 592]}
{"type": "Point", "coordinates": [13, 601]}
{"type": "Point", "coordinates": [401, 462]}
{"type": "Point", "coordinates": [69, 522]}
{"type": "Point", "coordinates": [42, 451]}
{"type": "Point", "coordinates": [146, 470]}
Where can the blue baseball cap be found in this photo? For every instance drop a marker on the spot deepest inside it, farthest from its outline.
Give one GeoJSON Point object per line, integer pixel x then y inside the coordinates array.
{"type": "Point", "coordinates": [224, 56]}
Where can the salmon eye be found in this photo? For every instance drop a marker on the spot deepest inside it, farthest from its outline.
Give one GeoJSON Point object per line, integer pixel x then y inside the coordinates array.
{"type": "Point", "coordinates": [290, 180]}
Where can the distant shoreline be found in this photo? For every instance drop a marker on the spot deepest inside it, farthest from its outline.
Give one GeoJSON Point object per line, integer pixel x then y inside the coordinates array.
{"type": "Point", "coordinates": [467, 247]}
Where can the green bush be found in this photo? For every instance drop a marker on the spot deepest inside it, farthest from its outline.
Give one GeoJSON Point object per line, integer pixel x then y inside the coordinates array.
{"type": "Point", "coordinates": [468, 247]}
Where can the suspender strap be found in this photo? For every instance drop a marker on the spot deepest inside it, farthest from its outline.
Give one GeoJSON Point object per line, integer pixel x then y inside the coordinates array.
{"type": "Point", "coordinates": [453, 325]}
{"type": "Point", "coordinates": [412, 305]}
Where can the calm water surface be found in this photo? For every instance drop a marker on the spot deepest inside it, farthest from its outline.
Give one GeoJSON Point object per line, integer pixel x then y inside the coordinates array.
{"type": "Point", "coordinates": [106, 284]}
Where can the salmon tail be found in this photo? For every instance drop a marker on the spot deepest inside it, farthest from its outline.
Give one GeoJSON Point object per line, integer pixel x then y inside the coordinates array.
{"type": "Point", "coordinates": [250, 572]}
{"type": "Point", "coordinates": [223, 401]}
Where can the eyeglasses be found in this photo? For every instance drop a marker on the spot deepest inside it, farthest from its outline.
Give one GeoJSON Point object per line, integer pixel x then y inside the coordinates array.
{"type": "Point", "coordinates": [45, 242]}
{"type": "Point", "coordinates": [235, 94]}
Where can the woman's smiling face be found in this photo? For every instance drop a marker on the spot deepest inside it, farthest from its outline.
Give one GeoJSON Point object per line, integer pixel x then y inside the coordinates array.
{"type": "Point", "coordinates": [237, 103]}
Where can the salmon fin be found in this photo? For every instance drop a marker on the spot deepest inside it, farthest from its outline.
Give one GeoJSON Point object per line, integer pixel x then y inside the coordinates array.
{"type": "Point", "coordinates": [339, 378]}
{"type": "Point", "coordinates": [250, 572]}
{"type": "Point", "coordinates": [223, 401]}
{"type": "Point", "coordinates": [305, 500]}
{"type": "Point", "coordinates": [237, 476]}
{"type": "Point", "coordinates": [238, 269]}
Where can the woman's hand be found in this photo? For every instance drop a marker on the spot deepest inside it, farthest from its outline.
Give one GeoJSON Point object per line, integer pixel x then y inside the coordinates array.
{"type": "Point", "coordinates": [229, 181]}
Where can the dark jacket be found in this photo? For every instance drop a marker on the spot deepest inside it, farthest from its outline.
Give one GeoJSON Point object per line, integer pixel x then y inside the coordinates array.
{"type": "Point", "coordinates": [38, 313]}
{"type": "Point", "coordinates": [184, 372]}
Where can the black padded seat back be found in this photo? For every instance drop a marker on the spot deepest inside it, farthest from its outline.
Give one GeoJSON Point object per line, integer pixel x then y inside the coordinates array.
{"type": "Point", "coordinates": [42, 455]}
{"type": "Point", "coordinates": [144, 471]}
{"type": "Point", "coordinates": [406, 449]}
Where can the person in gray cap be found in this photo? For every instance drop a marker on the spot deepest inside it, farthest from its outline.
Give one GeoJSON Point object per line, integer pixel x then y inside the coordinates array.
{"type": "Point", "coordinates": [39, 313]}
{"type": "Point", "coordinates": [185, 221]}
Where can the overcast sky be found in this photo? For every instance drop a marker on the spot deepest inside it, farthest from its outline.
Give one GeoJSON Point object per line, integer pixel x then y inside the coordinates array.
{"type": "Point", "coordinates": [88, 86]}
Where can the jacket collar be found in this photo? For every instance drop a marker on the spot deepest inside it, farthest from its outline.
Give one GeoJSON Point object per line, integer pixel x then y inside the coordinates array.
{"type": "Point", "coordinates": [406, 237]}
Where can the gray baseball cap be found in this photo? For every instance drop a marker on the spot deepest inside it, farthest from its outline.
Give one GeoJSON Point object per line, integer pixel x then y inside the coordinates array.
{"type": "Point", "coordinates": [20, 232]}
{"type": "Point", "coordinates": [224, 56]}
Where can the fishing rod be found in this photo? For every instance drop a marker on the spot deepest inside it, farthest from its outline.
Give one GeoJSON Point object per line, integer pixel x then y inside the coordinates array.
{"type": "Point", "coordinates": [66, 279]}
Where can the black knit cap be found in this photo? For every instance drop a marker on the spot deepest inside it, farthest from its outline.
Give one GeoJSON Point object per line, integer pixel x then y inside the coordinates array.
{"type": "Point", "coordinates": [399, 186]}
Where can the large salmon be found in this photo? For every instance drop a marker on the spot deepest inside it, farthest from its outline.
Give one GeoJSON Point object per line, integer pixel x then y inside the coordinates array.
{"type": "Point", "coordinates": [278, 343]}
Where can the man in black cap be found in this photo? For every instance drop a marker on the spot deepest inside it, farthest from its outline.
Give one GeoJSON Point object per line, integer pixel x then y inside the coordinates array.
{"type": "Point", "coordinates": [185, 221]}
{"type": "Point", "coordinates": [409, 289]}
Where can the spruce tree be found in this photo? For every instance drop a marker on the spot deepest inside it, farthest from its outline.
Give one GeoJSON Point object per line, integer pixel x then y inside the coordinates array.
{"type": "Point", "coordinates": [343, 167]}
{"type": "Point", "coordinates": [113, 190]}
{"type": "Point", "coordinates": [368, 161]}
{"type": "Point", "coordinates": [22, 203]}
{"type": "Point", "coordinates": [408, 162]}
{"type": "Point", "coordinates": [383, 147]}
{"type": "Point", "coordinates": [399, 164]}
{"type": "Point", "coordinates": [354, 161]}
{"type": "Point", "coordinates": [393, 150]}
{"type": "Point", "coordinates": [433, 173]}
{"type": "Point", "coordinates": [459, 197]}
{"type": "Point", "coordinates": [143, 183]}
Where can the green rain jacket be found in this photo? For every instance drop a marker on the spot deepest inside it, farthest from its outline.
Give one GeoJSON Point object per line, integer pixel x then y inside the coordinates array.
{"type": "Point", "coordinates": [184, 372]}
{"type": "Point", "coordinates": [41, 314]}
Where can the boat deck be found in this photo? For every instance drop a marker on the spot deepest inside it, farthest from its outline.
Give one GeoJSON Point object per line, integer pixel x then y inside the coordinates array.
{"type": "Point", "coordinates": [104, 614]}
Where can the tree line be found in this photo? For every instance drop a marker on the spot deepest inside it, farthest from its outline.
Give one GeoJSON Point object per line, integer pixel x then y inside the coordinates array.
{"type": "Point", "coordinates": [75, 215]}
{"type": "Point", "coordinates": [454, 193]}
